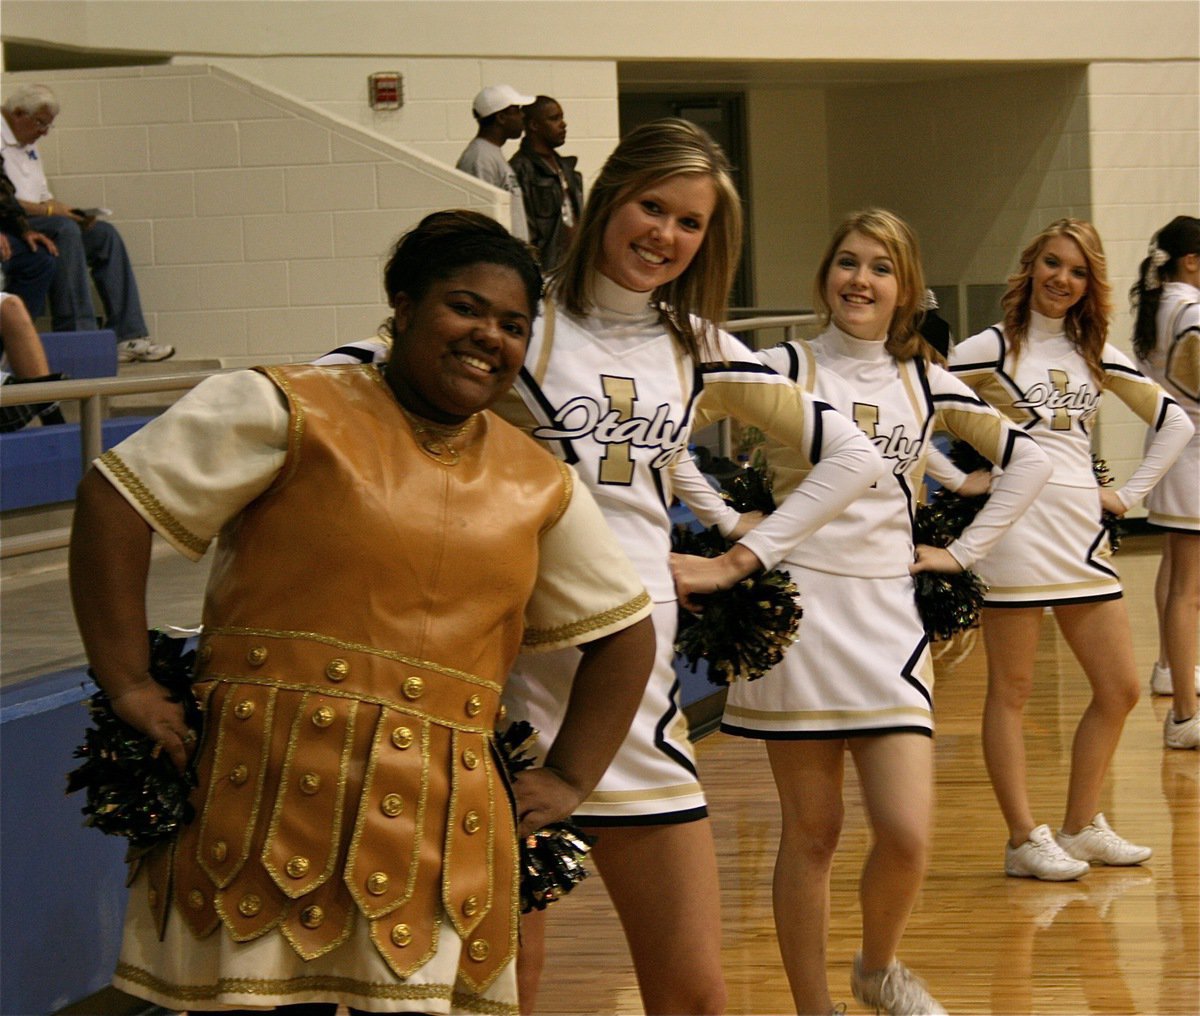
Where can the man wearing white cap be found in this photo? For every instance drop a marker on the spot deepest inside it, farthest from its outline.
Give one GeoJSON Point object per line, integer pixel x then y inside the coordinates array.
{"type": "Point", "coordinates": [498, 110]}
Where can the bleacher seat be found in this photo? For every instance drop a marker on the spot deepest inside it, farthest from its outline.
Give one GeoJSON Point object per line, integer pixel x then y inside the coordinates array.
{"type": "Point", "coordinates": [43, 465]}
{"type": "Point", "coordinates": [82, 354]}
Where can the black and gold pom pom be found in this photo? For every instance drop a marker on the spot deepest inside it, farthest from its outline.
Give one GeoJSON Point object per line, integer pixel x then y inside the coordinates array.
{"type": "Point", "coordinates": [750, 490]}
{"type": "Point", "coordinates": [947, 603]}
{"type": "Point", "coordinates": [551, 858]}
{"type": "Point", "coordinates": [744, 631]}
{"type": "Point", "coordinates": [1110, 522]}
{"type": "Point", "coordinates": [133, 790]}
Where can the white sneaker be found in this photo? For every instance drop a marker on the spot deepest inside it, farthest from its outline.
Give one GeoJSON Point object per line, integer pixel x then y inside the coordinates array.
{"type": "Point", "coordinates": [1040, 857]}
{"type": "Point", "coordinates": [1098, 844]}
{"type": "Point", "coordinates": [1160, 680]}
{"type": "Point", "coordinates": [1185, 734]}
{"type": "Point", "coordinates": [143, 351]}
{"type": "Point", "coordinates": [895, 990]}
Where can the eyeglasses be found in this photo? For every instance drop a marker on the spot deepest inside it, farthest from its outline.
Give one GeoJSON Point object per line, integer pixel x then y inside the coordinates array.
{"type": "Point", "coordinates": [41, 122]}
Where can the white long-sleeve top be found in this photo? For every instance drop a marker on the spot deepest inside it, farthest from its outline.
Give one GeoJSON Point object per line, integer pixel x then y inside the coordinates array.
{"type": "Point", "coordinates": [1050, 394]}
{"type": "Point", "coordinates": [898, 406]}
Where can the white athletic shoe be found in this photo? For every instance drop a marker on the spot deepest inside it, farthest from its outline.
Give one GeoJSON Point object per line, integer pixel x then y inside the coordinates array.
{"type": "Point", "coordinates": [1096, 843]}
{"type": "Point", "coordinates": [1185, 734]}
{"type": "Point", "coordinates": [895, 990]}
{"type": "Point", "coordinates": [143, 351]}
{"type": "Point", "coordinates": [1160, 680]}
{"type": "Point", "coordinates": [1040, 857]}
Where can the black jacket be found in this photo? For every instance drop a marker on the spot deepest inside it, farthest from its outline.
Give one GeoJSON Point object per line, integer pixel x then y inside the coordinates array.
{"type": "Point", "coordinates": [542, 191]}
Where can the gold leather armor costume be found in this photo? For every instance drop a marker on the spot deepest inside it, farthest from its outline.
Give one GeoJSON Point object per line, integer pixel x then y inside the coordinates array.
{"type": "Point", "coordinates": [350, 673]}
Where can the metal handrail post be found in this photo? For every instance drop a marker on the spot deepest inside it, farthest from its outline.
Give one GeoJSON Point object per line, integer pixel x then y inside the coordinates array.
{"type": "Point", "coordinates": [91, 428]}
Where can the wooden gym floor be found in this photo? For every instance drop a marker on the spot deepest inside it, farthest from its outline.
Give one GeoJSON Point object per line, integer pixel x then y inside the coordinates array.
{"type": "Point", "coordinates": [1121, 940]}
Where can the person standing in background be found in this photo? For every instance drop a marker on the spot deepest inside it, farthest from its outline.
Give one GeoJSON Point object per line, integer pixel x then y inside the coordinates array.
{"type": "Point", "coordinates": [1166, 341]}
{"type": "Point", "coordinates": [550, 184]}
{"type": "Point", "coordinates": [498, 110]}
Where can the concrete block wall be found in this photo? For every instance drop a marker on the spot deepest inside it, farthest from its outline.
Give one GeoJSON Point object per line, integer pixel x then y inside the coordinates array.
{"type": "Point", "coordinates": [436, 116]}
{"type": "Point", "coordinates": [258, 225]}
{"type": "Point", "coordinates": [1145, 170]}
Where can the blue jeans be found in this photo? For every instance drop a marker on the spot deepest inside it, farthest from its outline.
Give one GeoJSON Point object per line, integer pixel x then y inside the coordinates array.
{"type": "Point", "coordinates": [101, 250]}
{"type": "Point", "coordinates": [28, 274]}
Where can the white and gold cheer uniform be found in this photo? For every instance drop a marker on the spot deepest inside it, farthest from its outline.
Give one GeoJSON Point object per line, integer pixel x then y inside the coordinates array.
{"type": "Point", "coordinates": [1058, 552]}
{"type": "Point", "coordinates": [612, 395]}
{"type": "Point", "coordinates": [353, 841]}
{"type": "Point", "coordinates": [861, 663]}
{"type": "Point", "coordinates": [1174, 363]}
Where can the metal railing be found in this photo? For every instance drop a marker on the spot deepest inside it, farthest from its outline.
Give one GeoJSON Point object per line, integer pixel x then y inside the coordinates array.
{"type": "Point", "coordinates": [92, 393]}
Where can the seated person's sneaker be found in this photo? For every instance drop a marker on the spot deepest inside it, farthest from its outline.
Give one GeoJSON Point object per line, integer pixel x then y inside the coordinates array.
{"type": "Point", "coordinates": [143, 351]}
{"type": "Point", "coordinates": [1040, 857]}
{"type": "Point", "coordinates": [1160, 680]}
{"type": "Point", "coordinates": [895, 990]}
{"type": "Point", "coordinates": [1185, 734]}
{"type": "Point", "coordinates": [1096, 843]}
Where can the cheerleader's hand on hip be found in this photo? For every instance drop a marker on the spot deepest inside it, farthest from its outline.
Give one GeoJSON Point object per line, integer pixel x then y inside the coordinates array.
{"type": "Point", "coordinates": [147, 708]}
{"type": "Point", "coordinates": [1110, 502]}
{"type": "Point", "coordinates": [543, 797]}
{"type": "Point", "coordinates": [976, 484]}
{"type": "Point", "coordinates": [934, 559]}
{"type": "Point", "coordinates": [697, 576]}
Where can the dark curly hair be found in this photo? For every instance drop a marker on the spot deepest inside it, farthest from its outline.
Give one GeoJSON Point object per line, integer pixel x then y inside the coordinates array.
{"type": "Point", "coordinates": [444, 242]}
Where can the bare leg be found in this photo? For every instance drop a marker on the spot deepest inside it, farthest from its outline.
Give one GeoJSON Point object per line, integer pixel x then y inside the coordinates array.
{"type": "Point", "coordinates": [663, 881]}
{"type": "Point", "coordinates": [808, 776]}
{"type": "Point", "coordinates": [1010, 637]}
{"type": "Point", "coordinates": [1162, 585]}
{"type": "Point", "coordinates": [1181, 618]}
{"type": "Point", "coordinates": [1100, 638]}
{"type": "Point", "coordinates": [22, 344]}
{"type": "Point", "coordinates": [896, 773]}
{"type": "Point", "coordinates": [531, 959]}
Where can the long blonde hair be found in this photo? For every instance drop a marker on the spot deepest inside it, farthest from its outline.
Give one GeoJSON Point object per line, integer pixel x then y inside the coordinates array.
{"type": "Point", "coordinates": [648, 155]}
{"type": "Point", "coordinates": [1086, 324]}
{"type": "Point", "coordinates": [904, 341]}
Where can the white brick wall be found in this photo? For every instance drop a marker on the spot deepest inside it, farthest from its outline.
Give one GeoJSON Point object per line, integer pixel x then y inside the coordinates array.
{"type": "Point", "coordinates": [436, 116]}
{"type": "Point", "coordinates": [258, 225]}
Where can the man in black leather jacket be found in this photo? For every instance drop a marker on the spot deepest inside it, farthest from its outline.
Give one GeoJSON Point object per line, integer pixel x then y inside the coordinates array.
{"type": "Point", "coordinates": [550, 184]}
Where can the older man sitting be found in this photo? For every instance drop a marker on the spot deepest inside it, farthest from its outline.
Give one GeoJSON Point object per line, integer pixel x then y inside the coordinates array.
{"type": "Point", "coordinates": [83, 242]}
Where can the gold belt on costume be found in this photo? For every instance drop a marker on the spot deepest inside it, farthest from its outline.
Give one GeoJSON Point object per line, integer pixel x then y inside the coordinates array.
{"type": "Point", "coordinates": [324, 666]}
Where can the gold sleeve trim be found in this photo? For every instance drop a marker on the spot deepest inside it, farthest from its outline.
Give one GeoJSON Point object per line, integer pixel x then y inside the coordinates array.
{"type": "Point", "coordinates": [163, 519]}
{"type": "Point", "coordinates": [295, 426]}
{"type": "Point", "coordinates": [564, 500]}
{"type": "Point", "coordinates": [570, 632]}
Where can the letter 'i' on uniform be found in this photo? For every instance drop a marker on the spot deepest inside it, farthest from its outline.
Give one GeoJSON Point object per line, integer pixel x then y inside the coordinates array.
{"type": "Point", "coordinates": [616, 465]}
{"type": "Point", "coordinates": [1062, 419]}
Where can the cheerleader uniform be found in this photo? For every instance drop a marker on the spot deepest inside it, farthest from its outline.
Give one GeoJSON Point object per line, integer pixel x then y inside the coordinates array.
{"type": "Point", "coordinates": [1175, 364]}
{"type": "Point", "coordinates": [611, 394]}
{"type": "Point", "coordinates": [861, 664]}
{"type": "Point", "coordinates": [1058, 551]}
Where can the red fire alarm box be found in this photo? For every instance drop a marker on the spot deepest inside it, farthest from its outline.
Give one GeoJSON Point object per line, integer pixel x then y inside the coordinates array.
{"type": "Point", "coordinates": [386, 90]}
